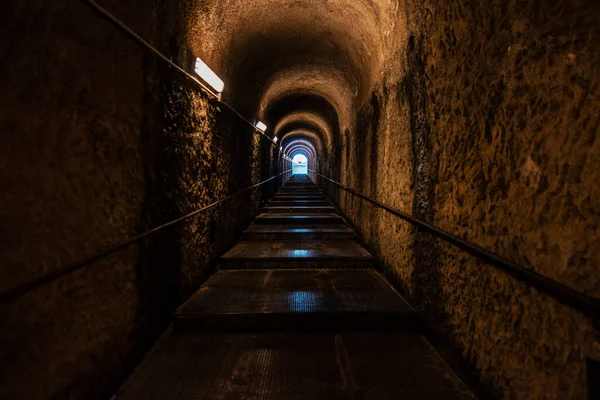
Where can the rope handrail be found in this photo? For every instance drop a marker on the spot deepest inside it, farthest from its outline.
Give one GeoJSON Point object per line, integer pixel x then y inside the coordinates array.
{"type": "Point", "coordinates": [580, 301]}
{"type": "Point", "coordinates": [60, 272]}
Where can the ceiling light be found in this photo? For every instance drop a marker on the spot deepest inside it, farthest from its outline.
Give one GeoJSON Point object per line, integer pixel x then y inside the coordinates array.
{"type": "Point", "coordinates": [261, 127]}
{"type": "Point", "coordinates": [209, 76]}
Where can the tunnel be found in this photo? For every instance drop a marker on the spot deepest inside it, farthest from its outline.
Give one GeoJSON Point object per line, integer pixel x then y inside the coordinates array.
{"type": "Point", "coordinates": [300, 199]}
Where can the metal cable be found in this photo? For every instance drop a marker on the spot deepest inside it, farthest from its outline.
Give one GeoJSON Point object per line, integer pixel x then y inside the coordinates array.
{"type": "Point", "coordinates": [26, 287]}
{"type": "Point", "coordinates": [106, 14]}
{"type": "Point", "coordinates": [556, 289]}
{"type": "Point", "coordinates": [565, 294]}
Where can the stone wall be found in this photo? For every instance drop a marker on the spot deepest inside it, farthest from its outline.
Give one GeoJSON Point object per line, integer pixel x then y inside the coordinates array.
{"type": "Point", "coordinates": [102, 142]}
{"type": "Point", "coordinates": [375, 162]}
{"type": "Point", "coordinates": [490, 116]}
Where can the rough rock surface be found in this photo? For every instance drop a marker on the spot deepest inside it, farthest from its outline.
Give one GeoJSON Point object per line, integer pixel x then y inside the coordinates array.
{"type": "Point", "coordinates": [513, 101]}
{"type": "Point", "coordinates": [102, 142]}
{"type": "Point", "coordinates": [480, 117]}
{"type": "Point", "coordinates": [510, 99]}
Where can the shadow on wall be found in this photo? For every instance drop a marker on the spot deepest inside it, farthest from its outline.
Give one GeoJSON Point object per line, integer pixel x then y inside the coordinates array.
{"type": "Point", "coordinates": [110, 145]}
{"type": "Point", "coordinates": [497, 114]}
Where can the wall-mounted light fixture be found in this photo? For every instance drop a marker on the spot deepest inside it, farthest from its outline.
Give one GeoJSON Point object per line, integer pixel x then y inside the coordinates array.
{"type": "Point", "coordinates": [275, 139]}
{"type": "Point", "coordinates": [209, 76]}
{"type": "Point", "coordinates": [260, 126]}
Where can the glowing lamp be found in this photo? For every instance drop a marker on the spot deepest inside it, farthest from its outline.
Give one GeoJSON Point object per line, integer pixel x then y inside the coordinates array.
{"type": "Point", "coordinates": [209, 76]}
{"type": "Point", "coordinates": [275, 139]}
{"type": "Point", "coordinates": [260, 126]}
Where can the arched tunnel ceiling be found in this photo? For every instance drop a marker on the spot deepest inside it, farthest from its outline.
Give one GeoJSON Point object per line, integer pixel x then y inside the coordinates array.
{"type": "Point", "coordinates": [305, 135]}
{"type": "Point", "coordinates": [315, 112]}
{"type": "Point", "coordinates": [301, 66]}
{"type": "Point", "coordinates": [304, 120]}
{"type": "Point", "coordinates": [301, 144]}
{"type": "Point", "coordinates": [310, 81]}
{"type": "Point", "coordinates": [304, 152]}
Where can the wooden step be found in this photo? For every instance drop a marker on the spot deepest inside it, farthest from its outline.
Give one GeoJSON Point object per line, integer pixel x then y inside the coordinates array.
{"type": "Point", "coordinates": [299, 203]}
{"type": "Point", "coordinates": [299, 219]}
{"type": "Point", "coordinates": [299, 209]}
{"type": "Point", "coordinates": [299, 193]}
{"type": "Point", "coordinates": [300, 187]}
{"type": "Point", "coordinates": [298, 232]}
{"type": "Point", "coordinates": [298, 198]}
{"type": "Point", "coordinates": [297, 183]}
{"type": "Point", "coordinates": [296, 254]}
{"type": "Point", "coordinates": [295, 300]}
{"type": "Point", "coordinates": [295, 312]}
{"type": "Point", "coordinates": [369, 365]}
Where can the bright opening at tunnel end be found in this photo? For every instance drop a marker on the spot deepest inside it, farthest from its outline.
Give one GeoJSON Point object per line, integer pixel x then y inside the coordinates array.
{"type": "Point", "coordinates": [300, 166]}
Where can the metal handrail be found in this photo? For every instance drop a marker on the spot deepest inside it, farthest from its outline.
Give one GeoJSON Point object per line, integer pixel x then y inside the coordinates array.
{"type": "Point", "coordinates": [565, 294]}
{"type": "Point", "coordinates": [141, 41]}
{"type": "Point", "coordinates": [26, 287]}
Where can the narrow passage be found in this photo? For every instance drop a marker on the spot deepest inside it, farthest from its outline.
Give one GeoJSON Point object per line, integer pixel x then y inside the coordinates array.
{"type": "Point", "coordinates": [295, 310]}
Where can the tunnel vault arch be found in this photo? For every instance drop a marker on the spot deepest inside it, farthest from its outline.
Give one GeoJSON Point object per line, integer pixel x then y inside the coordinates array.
{"type": "Point", "coordinates": [301, 144]}
{"type": "Point", "coordinates": [300, 150]}
{"type": "Point", "coordinates": [305, 147]}
{"type": "Point", "coordinates": [485, 125]}
{"type": "Point", "coordinates": [308, 136]}
{"type": "Point", "coordinates": [254, 45]}
{"type": "Point", "coordinates": [306, 151]}
{"type": "Point", "coordinates": [297, 67]}
{"type": "Point", "coordinates": [304, 110]}
{"type": "Point", "coordinates": [305, 121]}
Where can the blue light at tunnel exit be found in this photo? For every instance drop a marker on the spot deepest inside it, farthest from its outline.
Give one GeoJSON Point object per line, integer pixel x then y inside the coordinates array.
{"type": "Point", "coordinates": [300, 165]}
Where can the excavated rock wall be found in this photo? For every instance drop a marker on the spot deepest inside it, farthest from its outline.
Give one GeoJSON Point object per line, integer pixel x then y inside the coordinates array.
{"type": "Point", "coordinates": [378, 162]}
{"type": "Point", "coordinates": [491, 118]}
{"type": "Point", "coordinates": [513, 102]}
{"type": "Point", "coordinates": [101, 142]}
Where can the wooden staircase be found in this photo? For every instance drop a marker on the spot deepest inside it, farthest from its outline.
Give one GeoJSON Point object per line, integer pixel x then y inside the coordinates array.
{"type": "Point", "coordinates": [295, 311]}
